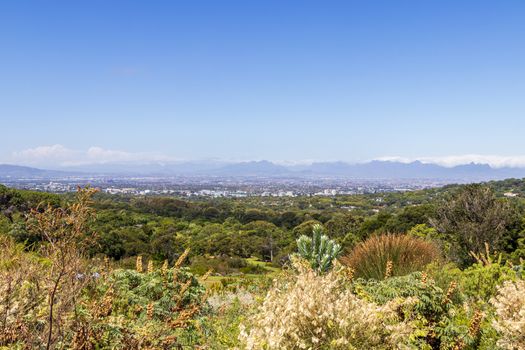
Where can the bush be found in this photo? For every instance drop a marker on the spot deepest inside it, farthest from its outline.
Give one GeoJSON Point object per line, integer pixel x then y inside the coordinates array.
{"type": "Point", "coordinates": [254, 269]}
{"type": "Point", "coordinates": [402, 253]}
{"type": "Point", "coordinates": [57, 298]}
{"type": "Point", "coordinates": [430, 298]}
{"type": "Point", "coordinates": [311, 311]}
{"type": "Point", "coordinates": [470, 218]}
{"type": "Point", "coordinates": [479, 281]}
{"type": "Point", "coordinates": [510, 311]}
{"type": "Point", "coordinates": [23, 291]}
{"type": "Point", "coordinates": [40, 291]}
{"type": "Point", "coordinates": [440, 317]}
{"type": "Point", "coordinates": [229, 309]}
{"type": "Point", "coordinates": [222, 265]}
{"type": "Point", "coordinates": [134, 310]}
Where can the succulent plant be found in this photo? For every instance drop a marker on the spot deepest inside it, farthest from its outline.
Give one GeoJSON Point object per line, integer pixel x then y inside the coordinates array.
{"type": "Point", "coordinates": [319, 250]}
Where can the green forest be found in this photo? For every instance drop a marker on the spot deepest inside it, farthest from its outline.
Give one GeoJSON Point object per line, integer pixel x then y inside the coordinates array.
{"type": "Point", "coordinates": [430, 269]}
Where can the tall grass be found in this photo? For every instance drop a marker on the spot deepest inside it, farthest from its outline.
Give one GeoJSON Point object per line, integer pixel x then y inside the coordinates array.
{"type": "Point", "coordinates": [388, 255]}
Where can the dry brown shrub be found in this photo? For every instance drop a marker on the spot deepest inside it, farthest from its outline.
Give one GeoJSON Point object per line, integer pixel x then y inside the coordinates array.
{"type": "Point", "coordinates": [40, 289]}
{"type": "Point", "coordinates": [22, 296]}
{"type": "Point", "coordinates": [407, 254]}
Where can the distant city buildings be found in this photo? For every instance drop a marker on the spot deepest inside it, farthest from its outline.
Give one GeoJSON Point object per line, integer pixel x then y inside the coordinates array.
{"type": "Point", "coordinates": [226, 187]}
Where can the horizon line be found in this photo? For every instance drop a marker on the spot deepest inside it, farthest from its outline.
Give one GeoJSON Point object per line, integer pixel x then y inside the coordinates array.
{"type": "Point", "coordinates": [288, 164]}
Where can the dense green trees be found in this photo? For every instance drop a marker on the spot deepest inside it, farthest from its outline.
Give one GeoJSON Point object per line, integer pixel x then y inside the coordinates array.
{"type": "Point", "coordinates": [14, 201]}
{"type": "Point", "coordinates": [459, 218]}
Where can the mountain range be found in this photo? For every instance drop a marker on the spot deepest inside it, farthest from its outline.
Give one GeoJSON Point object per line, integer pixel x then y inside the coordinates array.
{"type": "Point", "coordinates": [25, 172]}
{"type": "Point", "coordinates": [369, 170]}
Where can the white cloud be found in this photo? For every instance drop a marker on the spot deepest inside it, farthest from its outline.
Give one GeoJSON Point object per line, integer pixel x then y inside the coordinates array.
{"type": "Point", "coordinates": [59, 155]}
{"type": "Point", "coordinates": [56, 152]}
{"type": "Point", "coordinates": [495, 161]}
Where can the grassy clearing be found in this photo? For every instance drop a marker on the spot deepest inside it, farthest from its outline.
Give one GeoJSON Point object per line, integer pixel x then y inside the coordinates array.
{"type": "Point", "coordinates": [270, 272]}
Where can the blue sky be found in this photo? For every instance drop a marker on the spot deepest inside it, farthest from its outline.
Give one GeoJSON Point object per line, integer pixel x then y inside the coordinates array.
{"type": "Point", "coordinates": [101, 80]}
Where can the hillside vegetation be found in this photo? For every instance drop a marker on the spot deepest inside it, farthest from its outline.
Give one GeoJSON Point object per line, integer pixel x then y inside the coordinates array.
{"type": "Point", "coordinates": [432, 269]}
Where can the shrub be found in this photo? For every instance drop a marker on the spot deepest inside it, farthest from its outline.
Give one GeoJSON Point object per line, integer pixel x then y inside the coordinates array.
{"type": "Point", "coordinates": [402, 254]}
{"type": "Point", "coordinates": [311, 311]}
{"type": "Point", "coordinates": [55, 298]}
{"type": "Point", "coordinates": [471, 217]}
{"type": "Point", "coordinates": [23, 295]}
{"type": "Point", "coordinates": [41, 290]}
{"type": "Point", "coordinates": [134, 310]}
{"type": "Point", "coordinates": [478, 282]}
{"type": "Point", "coordinates": [440, 317]}
{"type": "Point", "coordinates": [254, 269]}
{"type": "Point", "coordinates": [510, 312]}
{"type": "Point", "coordinates": [431, 299]}
{"type": "Point", "coordinates": [405, 253]}
{"type": "Point", "coordinates": [222, 265]}
{"type": "Point", "coordinates": [229, 309]}
{"type": "Point", "coordinates": [318, 250]}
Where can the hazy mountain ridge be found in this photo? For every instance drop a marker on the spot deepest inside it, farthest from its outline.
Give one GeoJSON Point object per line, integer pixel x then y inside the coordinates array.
{"type": "Point", "coordinates": [369, 170]}
{"type": "Point", "coordinates": [19, 171]}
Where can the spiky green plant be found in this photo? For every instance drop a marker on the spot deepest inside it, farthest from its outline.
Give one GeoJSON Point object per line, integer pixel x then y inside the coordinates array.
{"type": "Point", "coordinates": [319, 250]}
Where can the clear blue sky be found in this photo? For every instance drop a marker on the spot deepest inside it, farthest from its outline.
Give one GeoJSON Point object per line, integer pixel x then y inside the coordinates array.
{"type": "Point", "coordinates": [278, 80]}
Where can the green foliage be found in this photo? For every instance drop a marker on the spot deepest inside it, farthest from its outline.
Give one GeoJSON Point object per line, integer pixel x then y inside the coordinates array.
{"type": "Point", "coordinates": [375, 223]}
{"type": "Point", "coordinates": [253, 269]}
{"type": "Point", "coordinates": [163, 289]}
{"type": "Point", "coordinates": [222, 265]}
{"type": "Point", "coordinates": [429, 298]}
{"type": "Point", "coordinates": [479, 281]}
{"type": "Point", "coordinates": [305, 228]}
{"type": "Point", "coordinates": [222, 330]}
{"type": "Point", "coordinates": [267, 228]}
{"type": "Point", "coordinates": [423, 231]}
{"type": "Point", "coordinates": [319, 250]}
{"type": "Point", "coordinates": [409, 217]}
{"type": "Point", "coordinates": [22, 200]}
{"type": "Point", "coordinates": [127, 308]}
{"type": "Point", "coordinates": [342, 225]}
{"type": "Point", "coordinates": [440, 318]}
{"type": "Point", "coordinates": [517, 251]}
{"type": "Point", "coordinates": [228, 311]}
